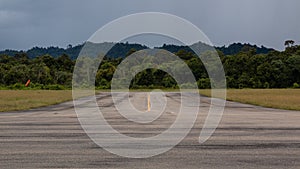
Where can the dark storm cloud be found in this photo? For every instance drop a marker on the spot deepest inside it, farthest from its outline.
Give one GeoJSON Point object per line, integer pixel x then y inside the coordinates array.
{"type": "Point", "coordinates": [28, 23]}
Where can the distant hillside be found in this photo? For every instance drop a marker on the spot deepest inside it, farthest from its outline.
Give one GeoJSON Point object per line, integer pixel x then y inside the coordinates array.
{"type": "Point", "coordinates": [232, 49]}
{"type": "Point", "coordinates": [238, 47]}
{"type": "Point", "coordinates": [199, 47]}
{"type": "Point", "coordinates": [55, 52]}
{"type": "Point", "coordinates": [122, 49]}
{"type": "Point", "coordinates": [118, 50]}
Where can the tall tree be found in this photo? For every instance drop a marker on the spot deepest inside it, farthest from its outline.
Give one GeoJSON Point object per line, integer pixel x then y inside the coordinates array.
{"type": "Point", "coordinates": [289, 43]}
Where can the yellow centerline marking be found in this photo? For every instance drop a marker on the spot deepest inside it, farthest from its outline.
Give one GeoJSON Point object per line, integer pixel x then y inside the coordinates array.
{"type": "Point", "coordinates": [148, 103]}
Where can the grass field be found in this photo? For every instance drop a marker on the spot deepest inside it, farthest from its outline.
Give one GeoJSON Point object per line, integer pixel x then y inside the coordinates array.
{"type": "Point", "coordinates": [273, 98]}
{"type": "Point", "coordinates": [11, 100]}
{"type": "Point", "coordinates": [26, 99]}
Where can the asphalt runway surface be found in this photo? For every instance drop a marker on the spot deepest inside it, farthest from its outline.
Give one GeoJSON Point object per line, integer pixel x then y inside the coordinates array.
{"type": "Point", "coordinates": [247, 137]}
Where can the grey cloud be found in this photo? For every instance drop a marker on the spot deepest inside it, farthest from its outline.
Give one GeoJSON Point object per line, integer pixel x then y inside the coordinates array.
{"type": "Point", "coordinates": [28, 23]}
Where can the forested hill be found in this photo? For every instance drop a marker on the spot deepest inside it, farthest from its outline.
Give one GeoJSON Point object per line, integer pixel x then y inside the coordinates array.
{"type": "Point", "coordinates": [119, 50]}
{"type": "Point", "coordinates": [235, 48]}
{"type": "Point", "coordinates": [232, 49]}
{"type": "Point", "coordinates": [55, 52]}
{"type": "Point", "coordinates": [122, 49]}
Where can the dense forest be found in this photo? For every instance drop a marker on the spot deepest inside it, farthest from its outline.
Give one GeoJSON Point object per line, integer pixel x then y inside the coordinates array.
{"type": "Point", "coordinates": [245, 65]}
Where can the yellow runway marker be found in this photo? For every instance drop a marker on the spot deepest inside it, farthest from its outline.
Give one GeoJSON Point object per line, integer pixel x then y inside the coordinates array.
{"type": "Point", "coordinates": [149, 103]}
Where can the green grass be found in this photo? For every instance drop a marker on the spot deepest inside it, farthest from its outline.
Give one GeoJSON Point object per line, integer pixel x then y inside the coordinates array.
{"type": "Point", "coordinates": [11, 100]}
{"type": "Point", "coordinates": [274, 98]}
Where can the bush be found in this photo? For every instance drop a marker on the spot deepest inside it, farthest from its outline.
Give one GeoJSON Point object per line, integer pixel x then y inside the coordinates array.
{"type": "Point", "coordinates": [296, 85]}
{"type": "Point", "coordinates": [204, 83]}
{"type": "Point", "coordinates": [266, 85]}
{"type": "Point", "coordinates": [16, 86]}
{"type": "Point", "coordinates": [54, 87]}
{"type": "Point", "coordinates": [36, 86]}
{"type": "Point", "coordinates": [188, 86]}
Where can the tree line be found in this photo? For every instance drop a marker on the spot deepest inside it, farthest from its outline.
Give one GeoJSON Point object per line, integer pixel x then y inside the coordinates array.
{"type": "Point", "coordinates": [45, 72]}
{"type": "Point", "coordinates": [246, 68]}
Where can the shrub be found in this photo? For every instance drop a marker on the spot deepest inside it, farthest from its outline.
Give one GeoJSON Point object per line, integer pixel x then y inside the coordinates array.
{"type": "Point", "coordinates": [296, 85]}
{"type": "Point", "coordinates": [54, 87]}
{"type": "Point", "coordinates": [16, 86]}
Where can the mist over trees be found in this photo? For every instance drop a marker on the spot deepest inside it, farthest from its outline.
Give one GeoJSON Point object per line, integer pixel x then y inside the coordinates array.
{"type": "Point", "coordinates": [245, 65]}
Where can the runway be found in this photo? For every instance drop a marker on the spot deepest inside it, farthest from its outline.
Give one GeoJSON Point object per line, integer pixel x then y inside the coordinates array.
{"type": "Point", "coordinates": [247, 137]}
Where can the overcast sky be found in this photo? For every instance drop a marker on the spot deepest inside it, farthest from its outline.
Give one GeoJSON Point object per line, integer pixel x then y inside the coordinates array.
{"type": "Point", "coordinates": [28, 23]}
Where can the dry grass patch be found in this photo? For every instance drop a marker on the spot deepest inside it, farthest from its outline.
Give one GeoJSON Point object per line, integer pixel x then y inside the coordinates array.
{"type": "Point", "coordinates": [274, 98]}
